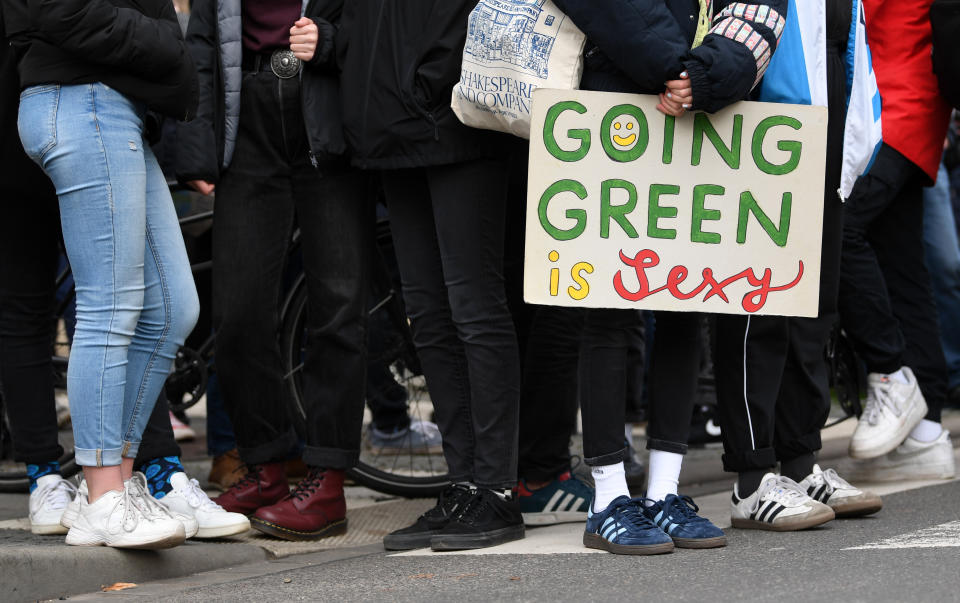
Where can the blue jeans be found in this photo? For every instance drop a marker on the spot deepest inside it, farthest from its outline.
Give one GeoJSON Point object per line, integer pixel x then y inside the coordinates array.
{"type": "Point", "coordinates": [943, 262]}
{"type": "Point", "coordinates": [136, 301]}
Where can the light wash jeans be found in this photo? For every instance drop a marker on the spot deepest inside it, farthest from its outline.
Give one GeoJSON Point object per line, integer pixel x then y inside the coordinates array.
{"type": "Point", "coordinates": [136, 300]}
{"type": "Point", "coordinates": [942, 253]}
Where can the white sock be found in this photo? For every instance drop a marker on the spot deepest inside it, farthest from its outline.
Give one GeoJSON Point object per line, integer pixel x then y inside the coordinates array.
{"type": "Point", "coordinates": [663, 474]}
{"type": "Point", "coordinates": [926, 431]}
{"type": "Point", "coordinates": [899, 376]}
{"type": "Point", "coordinates": [610, 482]}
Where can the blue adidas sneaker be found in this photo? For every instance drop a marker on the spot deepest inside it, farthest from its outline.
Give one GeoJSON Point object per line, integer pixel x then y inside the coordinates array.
{"type": "Point", "coordinates": [677, 516]}
{"type": "Point", "coordinates": [565, 499]}
{"type": "Point", "coordinates": [622, 528]}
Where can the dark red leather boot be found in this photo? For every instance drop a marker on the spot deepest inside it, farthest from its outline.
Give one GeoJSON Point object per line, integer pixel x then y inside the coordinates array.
{"type": "Point", "coordinates": [262, 486]}
{"type": "Point", "coordinates": [315, 509]}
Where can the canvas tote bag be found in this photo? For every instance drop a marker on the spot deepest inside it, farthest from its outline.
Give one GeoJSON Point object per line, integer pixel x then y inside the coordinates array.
{"type": "Point", "coordinates": [514, 47]}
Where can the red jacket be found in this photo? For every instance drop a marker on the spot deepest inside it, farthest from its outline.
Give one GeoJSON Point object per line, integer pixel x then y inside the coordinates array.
{"type": "Point", "coordinates": [915, 115]}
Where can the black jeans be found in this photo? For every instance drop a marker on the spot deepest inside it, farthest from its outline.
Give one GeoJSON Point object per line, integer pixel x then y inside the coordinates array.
{"type": "Point", "coordinates": [448, 225]}
{"type": "Point", "coordinates": [605, 340]}
{"type": "Point", "coordinates": [674, 380]}
{"type": "Point", "coordinates": [269, 186]}
{"type": "Point", "coordinates": [886, 300]}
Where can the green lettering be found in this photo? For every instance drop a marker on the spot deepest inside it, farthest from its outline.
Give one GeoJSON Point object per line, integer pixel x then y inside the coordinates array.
{"type": "Point", "coordinates": [655, 211]}
{"type": "Point", "coordinates": [749, 205]}
{"type": "Point", "coordinates": [617, 212]}
{"type": "Point", "coordinates": [550, 141]}
{"type": "Point", "coordinates": [702, 126]}
{"type": "Point", "coordinates": [701, 213]}
{"type": "Point", "coordinates": [791, 146]}
{"type": "Point", "coordinates": [641, 133]}
{"type": "Point", "coordinates": [669, 125]}
{"type": "Point", "coordinates": [580, 215]}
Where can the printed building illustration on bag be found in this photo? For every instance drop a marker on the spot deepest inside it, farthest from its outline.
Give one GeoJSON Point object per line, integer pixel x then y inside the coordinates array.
{"type": "Point", "coordinates": [516, 32]}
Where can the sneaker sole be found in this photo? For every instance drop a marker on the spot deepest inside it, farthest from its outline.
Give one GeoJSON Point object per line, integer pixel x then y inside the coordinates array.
{"type": "Point", "coordinates": [700, 543]}
{"type": "Point", "coordinates": [221, 531]}
{"type": "Point", "coordinates": [407, 542]}
{"type": "Point", "coordinates": [553, 518]}
{"type": "Point", "coordinates": [811, 521]}
{"type": "Point", "coordinates": [857, 509]}
{"type": "Point", "coordinates": [596, 541]}
{"type": "Point", "coordinates": [467, 542]}
{"type": "Point", "coordinates": [168, 542]}
{"type": "Point", "coordinates": [47, 529]}
{"type": "Point", "coordinates": [916, 414]}
{"type": "Point", "coordinates": [333, 529]}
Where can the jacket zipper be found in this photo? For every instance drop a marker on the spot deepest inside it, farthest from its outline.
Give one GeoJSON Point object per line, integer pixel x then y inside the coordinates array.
{"type": "Point", "coordinates": [303, 105]}
{"type": "Point", "coordinates": [366, 99]}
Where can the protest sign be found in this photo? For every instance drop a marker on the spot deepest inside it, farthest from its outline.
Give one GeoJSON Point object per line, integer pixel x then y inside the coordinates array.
{"type": "Point", "coordinates": [630, 208]}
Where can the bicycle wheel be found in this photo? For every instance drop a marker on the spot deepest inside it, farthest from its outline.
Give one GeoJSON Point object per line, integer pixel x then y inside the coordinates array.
{"type": "Point", "coordinates": [408, 472]}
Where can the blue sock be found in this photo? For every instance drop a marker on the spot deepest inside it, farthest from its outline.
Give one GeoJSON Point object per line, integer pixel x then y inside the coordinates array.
{"type": "Point", "coordinates": [35, 472]}
{"type": "Point", "coordinates": [158, 472]}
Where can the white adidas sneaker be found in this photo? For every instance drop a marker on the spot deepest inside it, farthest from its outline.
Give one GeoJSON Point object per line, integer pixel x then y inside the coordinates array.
{"type": "Point", "coordinates": [912, 460]}
{"type": "Point", "coordinates": [187, 498]}
{"type": "Point", "coordinates": [780, 505]}
{"type": "Point", "coordinates": [845, 499]}
{"type": "Point", "coordinates": [116, 520]}
{"type": "Point", "coordinates": [892, 410]}
{"type": "Point", "coordinates": [151, 506]}
{"type": "Point", "coordinates": [48, 501]}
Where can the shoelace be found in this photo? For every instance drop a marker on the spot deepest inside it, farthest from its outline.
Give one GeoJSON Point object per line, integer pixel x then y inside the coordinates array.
{"type": "Point", "coordinates": [147, 504]}
{"type": "Point", "coordinates": [252, 476]}
{"type": "Point", "coordinates": [308, 485]}
{"type": "Point", "coordinates": [683, 507]}
{"type": "Point", "coordinates": [834, 481]}
{"type": "Point", "coordinates": [198, 499]}
{"type": "Point", "coordinates": [131, 512]}
{"type": "Point", "coordinates": [471, 511]}
{"type": "Point", "coordinates": [448, 502]}
{"type": "Point", "coordinates": [783, 489]}
{"type": "Point", "coordinates": [877, 398]}
{"type": "Point", "coordinates": [628, 512]}
{"type": "Point", "coordinates": [57, 497]}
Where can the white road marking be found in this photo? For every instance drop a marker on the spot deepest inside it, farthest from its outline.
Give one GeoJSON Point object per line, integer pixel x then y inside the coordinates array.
{"type": "Point", "coordinates": [943, 535]}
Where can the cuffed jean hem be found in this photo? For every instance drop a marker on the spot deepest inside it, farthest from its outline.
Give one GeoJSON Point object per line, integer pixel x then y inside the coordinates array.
{"type": "Point", "coordinates": [98, 457]}
{"type": "Point", "coordinates": [36, 457]}
{"type": "Point", "coordinates": [330, 458]}
{"type": "Point", "coordinates": [607, 459]}
{"type": "Point", "coordinates": [505, 485]}
{"type": "Point", "coordinates": [751, 460]}
{"type": "Point", "coordinates": [805, 444]}
{"type": "Point", "coordinates": [667, 446]}
{"type": "Point", "coordinates": [271, 452]}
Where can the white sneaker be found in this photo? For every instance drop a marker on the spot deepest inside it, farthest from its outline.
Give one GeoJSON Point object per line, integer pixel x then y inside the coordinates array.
{"type": "Point", "coordinates": [912, 460]}
{"type": "Point", "coordinates": [845, 500]}
{"type": "Point", "coordinates": [187, 498]}
{"type": "Point", "coordinates": [779, 504]}
{"type": "Point", "coordinates": [149, 505]}
{"type": "Point", "coordinates": [48, 501]}
{"type": "Point", "coordinates": [116, 520]}
{"type": "Point", "coordinates": [73, 509]}
{"type": "Point", "coordinates": [892, 410]}
{"type": "Point", "coordinates": [181, 431]}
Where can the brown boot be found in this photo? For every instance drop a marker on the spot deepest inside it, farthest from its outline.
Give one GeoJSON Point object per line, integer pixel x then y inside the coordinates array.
{"type": "Point", "coordinates": [315, 509]}
{"type": "Point", "coordinates": [262, 486]}
{"type": "Point", "coordinates": [226, 470]}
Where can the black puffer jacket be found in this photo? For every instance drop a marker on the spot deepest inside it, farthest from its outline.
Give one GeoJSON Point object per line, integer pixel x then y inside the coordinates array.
{"type": "Point", "coordinates": [214, 37]}
{"type": "Point", "coordinates": [637, 45]}
{"type": "Point", "coordinates": [133, 46]}
{"type": "Point", "coordinates": [400, 60]}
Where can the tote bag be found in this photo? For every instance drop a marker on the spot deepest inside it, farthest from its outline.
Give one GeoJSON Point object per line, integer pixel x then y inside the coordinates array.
{"type": "Point", "coordinates": [514, 47]}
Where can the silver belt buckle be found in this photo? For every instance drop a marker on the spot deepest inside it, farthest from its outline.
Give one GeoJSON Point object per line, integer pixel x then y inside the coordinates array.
{"type": "Point", "coordinates": [284, 64]}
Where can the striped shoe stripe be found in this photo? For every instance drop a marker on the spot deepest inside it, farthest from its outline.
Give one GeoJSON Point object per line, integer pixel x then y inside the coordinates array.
{"type": "Point", "coordinates": [766, 513]}
{"type": "Point", "coordinates": [762, 509]}
{"type": "Point", "coordinates": [820, 493]}
{"type": "Point", "coordinates": [775, 513]}
{"type": "Point", "coordinates": [618, 533]}
{"type": "Point", "coordinates": [575, 504]}
{"type": "Point", "coordinates": [552, 503]}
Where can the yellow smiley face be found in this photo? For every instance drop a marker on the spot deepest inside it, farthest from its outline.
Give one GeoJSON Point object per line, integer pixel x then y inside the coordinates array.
{"type": "Point", "coordinates": [623, 132]}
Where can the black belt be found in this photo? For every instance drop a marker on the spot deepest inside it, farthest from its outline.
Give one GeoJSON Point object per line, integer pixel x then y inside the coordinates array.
{"type": "Point", "coordinates": [281, 62]}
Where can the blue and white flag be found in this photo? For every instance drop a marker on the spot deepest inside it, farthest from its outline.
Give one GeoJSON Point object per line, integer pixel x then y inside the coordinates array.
{"type": "Point", "coordinates": [802, 50]}
{"type": "Point", "coordinates": [863, 134]}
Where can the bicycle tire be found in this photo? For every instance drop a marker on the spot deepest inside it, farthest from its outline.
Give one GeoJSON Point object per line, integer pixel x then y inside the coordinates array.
{"type": "Point", "coordinates": [397, 484]}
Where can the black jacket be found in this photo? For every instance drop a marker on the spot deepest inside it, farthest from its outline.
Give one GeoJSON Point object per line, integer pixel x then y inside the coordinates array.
{"type": "Point", "coordinates": [214, 38]}
{"type": "Point", "coordinates": [637, 45]}
{"type": "Point", "coordinates": [133, 46]}
{"type": "Point", "coordinates": [400, 60]}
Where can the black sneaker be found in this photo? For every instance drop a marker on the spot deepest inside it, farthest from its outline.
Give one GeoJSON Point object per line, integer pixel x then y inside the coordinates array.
{"type": "Point", "coordinates": [417, 536]}
{"type": "Point", "coordinates": [485, 520]}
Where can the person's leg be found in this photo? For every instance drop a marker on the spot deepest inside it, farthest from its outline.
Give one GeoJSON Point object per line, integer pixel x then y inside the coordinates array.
{"type": "Point", "coordinates": [159, 454]}
{"type": "Point", "coordinates": [434, 334]}
{"type": "Point", "coordinates": [942, 253]}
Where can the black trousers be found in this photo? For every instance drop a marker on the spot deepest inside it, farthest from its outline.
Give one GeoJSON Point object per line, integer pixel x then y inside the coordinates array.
{"type": "Point", "coordinates": [269, 186]}
{"type": "Point", "coordinates": [772, 378]}
{"type": "Point", "coordinates": [605, 339]}
{"type": "Point", "coordinates": [448, 229]}
{"type": "Point", "coordinates": [886, 300]}
{"type": "Point", "coordinates": [674, 380]}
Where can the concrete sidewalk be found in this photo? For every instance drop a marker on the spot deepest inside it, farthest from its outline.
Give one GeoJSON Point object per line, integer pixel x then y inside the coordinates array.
{"type": "Point", "coordinates": [42, 567]}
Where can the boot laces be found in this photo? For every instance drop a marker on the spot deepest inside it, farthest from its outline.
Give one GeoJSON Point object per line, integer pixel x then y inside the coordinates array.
{"type": "Point", "coordinates": [309, 484]}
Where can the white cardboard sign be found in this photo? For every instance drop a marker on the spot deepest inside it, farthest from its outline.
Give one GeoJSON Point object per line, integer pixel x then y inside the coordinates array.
{"type": "Point", "coordinates": [630, 208]}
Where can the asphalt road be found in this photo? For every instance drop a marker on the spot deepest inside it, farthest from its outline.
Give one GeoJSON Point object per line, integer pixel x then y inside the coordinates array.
{"type": "Point", "coordinates": [913, 555]}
